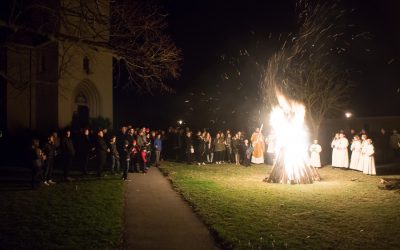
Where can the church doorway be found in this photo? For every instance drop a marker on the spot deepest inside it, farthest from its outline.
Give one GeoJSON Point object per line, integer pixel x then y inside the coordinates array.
{"type": "Point", "coordinates": [86, 104]}
{"type": "Point", "coordinates": [83, 116]}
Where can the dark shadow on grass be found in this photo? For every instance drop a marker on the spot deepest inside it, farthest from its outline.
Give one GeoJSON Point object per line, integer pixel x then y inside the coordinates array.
{"type": "Point", "coordinates": [15, 186]}
{"type": "Point", "coordinates": [21, 180]}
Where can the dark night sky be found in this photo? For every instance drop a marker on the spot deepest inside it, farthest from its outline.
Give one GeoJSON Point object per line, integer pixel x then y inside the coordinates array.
{"type": "Point", "coordinates": [210, 93]}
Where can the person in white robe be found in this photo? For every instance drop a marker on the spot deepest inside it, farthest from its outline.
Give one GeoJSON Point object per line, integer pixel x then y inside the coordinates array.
{"type": "Point", "coordinates": [315, 149]}
{"type": "Point", "coordinates": [360, 165]}
{"type": "Point", "coordinates": [368, 158]}
{"type": "Point", "coordinates": [342, 153]}
{"type": "Point", "coordinates": [355, 153]}
{"type": "Point", "coordinates": [334, 146]}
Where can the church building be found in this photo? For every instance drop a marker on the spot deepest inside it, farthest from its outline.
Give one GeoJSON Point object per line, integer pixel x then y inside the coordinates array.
{"type": "Point", "coordinates": [54, 83]}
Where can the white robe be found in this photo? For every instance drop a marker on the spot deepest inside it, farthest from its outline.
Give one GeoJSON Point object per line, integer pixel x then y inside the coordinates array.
{"type": "Point", "coordinates": [271, 144]}
{"type": "Point", "coordinates": [355, 155]}
{"type": "Point", "coordinates": [360, 165]}
{"type": "Point", "coordinates": [368, 160]}
{"type": "Point", "coordinates": [315, 160]}
{"type": "Point", "coordinates": [334, 146]}
{"type": "Point", "coordinates": [342, 153]}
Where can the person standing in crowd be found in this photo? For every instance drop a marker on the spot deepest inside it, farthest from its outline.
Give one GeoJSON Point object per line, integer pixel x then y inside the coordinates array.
{"type": "Point", "coordinates": [209, 148]}
{"type": "Point", "coordinates": [334, 146]}
{"type": "Point", "coordinates": [151, 151]}
{"type": "Point", "coordinates": [235, 149]}
{"type": "Point", "coordinates": [363, 131]}
{"type": "Point", "coordinates": [368, 158]}
{"type": "Point", "coordinates": [141, 139]}
{"type": "Point", "coordinates": [352, 133]}
{"type": "Point", "coordinates": [248, 150]}
{"type": "Point", "coordinates": [37, 158]}
{"type": "Point", "coordinates": [50, 153]}
{"type": "Point", "coordinates": [219, 148]}
{"type": "Point", "coordinates": [115, 163]}
{"type": "Point", "coordinates": [125, 159]}
{"type": "Point", "coordinates": [200, 148]}
{"type": "Point", "coordinates": [130, 136]}
{"type": "Point", "coordinates": [382, 146]}
{"type": "Point", "coordinates": [106, 135]}
{"type": "Point", "coordinates": [189, 149]}
{"type": "Point", "coordinates": [85, 149]}
{"type": "Point", "coordinates": [360, 166]}
{"type": "Point", "coordinates": [342, 151]}
{"type": "Point", "coordinates": [163, 138]}
{"type": "Point", "coordinates": [257, 142]}
{"type": "Point", "coordinates": [228, 147]}
{"type": "Point", "coordinates": [143, 160]}
{"type": "Point", "coordinates": [204, 147]}
{"type": "Point", "coordinates": [101, 153]}
{"type": "Point", "coordinates": [355, 153]}
{"type": "Point", "coordinates": [57, 147]}
{"type": "Point", "coordinates": [158, 147]}
{"type": "Point", "coordinates": [223, 153]}
{"type": "Point", "coordinates": [134, 157]}
{"type": "Point", "coordinates": [196, 146]}
{"type": "Point", "coordinates": [121, 137]}
{"type": "Point", "coordinates": [315, 150]}
{"type": "Point", "coordinates": [242, 153]}
{"type": "Point", "coordinates": [67, 154]}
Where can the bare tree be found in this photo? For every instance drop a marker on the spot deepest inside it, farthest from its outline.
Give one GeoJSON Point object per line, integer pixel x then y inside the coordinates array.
{"type": "Point", "coordinates": [133, 32]}
{"type": "Point", "coordinates": [304, 69]}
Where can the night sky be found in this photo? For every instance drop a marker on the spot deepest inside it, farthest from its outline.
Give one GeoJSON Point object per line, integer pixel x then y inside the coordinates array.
{"type": "Point", "coordinates": [225, 44]}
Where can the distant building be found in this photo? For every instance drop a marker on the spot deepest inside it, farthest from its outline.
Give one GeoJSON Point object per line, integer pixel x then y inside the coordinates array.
{"type": "Point", "coordinates": [56, 83]}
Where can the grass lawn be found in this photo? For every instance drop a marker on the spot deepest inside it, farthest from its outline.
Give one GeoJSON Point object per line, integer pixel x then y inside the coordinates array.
{"type": "Point", "coordinates": [346, 210]}
{"type": "Point", "coordinates": [84, 214]}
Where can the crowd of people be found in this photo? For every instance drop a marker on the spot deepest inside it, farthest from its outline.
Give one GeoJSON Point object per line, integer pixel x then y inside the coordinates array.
{"type": "Point", "coordinates": [363, 150]}
{"type": "Point", "coordinates": [137, 149]}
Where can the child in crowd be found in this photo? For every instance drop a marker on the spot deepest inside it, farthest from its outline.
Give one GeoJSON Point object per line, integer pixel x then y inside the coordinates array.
{"type": "Point", "coordinates": [143, 160]}
{"type": "Point", "coordinates": [134, 156]}
{"type": "Point", "coordinates": [115, 164]}
{"type": "Point", "coordinates": [355, 148]}
{"type": "Point", "coordinates": [315, 149]}
{"type": "Point", "coordinates": [125, 159]}
{"type": "Point", "coordinates": [368, 158]}
{"type": "Point", "coordinates": [248, 149]}
{"type": "Point", "coordinates": [37, 158]}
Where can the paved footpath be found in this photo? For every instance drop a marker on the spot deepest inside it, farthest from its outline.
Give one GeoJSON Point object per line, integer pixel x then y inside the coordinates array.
{"type": "Point", "coordinates": [156, 217]}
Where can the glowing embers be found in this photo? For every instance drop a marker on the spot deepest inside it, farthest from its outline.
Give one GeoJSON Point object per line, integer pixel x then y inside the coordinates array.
{"type": "Point", "coordinates": [291, 164]}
